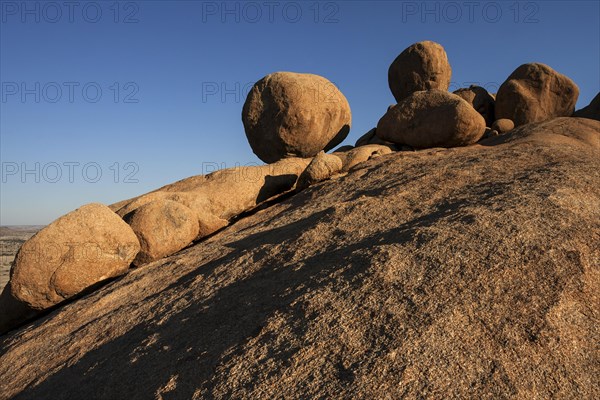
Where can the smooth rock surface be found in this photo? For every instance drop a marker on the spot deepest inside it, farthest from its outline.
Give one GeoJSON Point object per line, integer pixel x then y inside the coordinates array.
{"type": "Point", "coordinates": [432, 118]}
{"type": "Point", "coordinates": [163, 227]}
{"type": "Point", "coordinates": [421, 66]}
{"type": "Point", "coordinates": [74, 252]}
{"type": "Point", "coordinates": [503, 125]}
{"type": "Point", "coordinates": [535, 92]}
{"type": "Point", "coordinates": [289, 114]}
{"type": "Point", "coordinates": [219, 197]}
{"type": "Point", "coordinates": [358, 155]}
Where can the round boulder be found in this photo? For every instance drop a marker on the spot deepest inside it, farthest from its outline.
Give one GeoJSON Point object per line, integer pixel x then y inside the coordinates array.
{"type": "Point", "coordinates": [432, 118]}
{"type": "Point", "coordinates": [481, 100]}
{"type": "Point", "coordinates": [421, 66]}
{"type": "Point", "coordinates": [163, 227]}
{"type": "Point", "coordinates": [535, 92]}
{"type": "Point", "coordinates": [78, 250]}
{"type": "Point", "coordinates": [289, 114]}
{"type": "Point", "coordinates": [503, 125]}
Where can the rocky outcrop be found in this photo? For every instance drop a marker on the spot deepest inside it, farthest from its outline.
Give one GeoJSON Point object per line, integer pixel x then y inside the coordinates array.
{"type": "Point", "coordinates": [432, 118]}
{"type": "Point", "coordinates": [219, 197]}
{"type": "Point", "coordinates": [421, 66]}
{"type": "Point", "coordinates": [481, 100]}
{"type": "Point", "coordinates": [535, 92]}
{"type": "Point", "coordinates": [288, 114]}
{"type": "Point", "coordinates": [469, 272]}
{"type": "Point", "coordinates": [468, 269]}
{"type": "Point", "coordinates": [74, 252]}
{"type": "Point", "coordinates": [92, 244]}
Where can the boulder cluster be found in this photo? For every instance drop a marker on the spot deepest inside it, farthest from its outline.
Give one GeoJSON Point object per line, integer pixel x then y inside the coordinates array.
{"type": "Point", "coordinates": [290, 120]}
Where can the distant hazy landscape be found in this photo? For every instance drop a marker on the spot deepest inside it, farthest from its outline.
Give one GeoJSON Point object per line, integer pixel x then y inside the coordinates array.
{"type": "Point", "coordinates": [11, 239]}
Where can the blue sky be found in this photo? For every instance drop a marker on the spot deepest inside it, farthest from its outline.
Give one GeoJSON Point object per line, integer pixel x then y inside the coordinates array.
{"type": "Point", "coordinates": [105, 100]}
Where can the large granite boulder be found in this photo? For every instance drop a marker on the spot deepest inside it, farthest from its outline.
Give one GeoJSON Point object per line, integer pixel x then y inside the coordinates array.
{"type": "Point", "coordinates": [432, 118]}
{"type": "Point", "coordinates": [535, 92]}
{"type": "Point", "coordinates": [289, 114]}
{"type": "Point", "coordinates": [78, 250]}
{"type": "Point", "coordinates": [421, 66]}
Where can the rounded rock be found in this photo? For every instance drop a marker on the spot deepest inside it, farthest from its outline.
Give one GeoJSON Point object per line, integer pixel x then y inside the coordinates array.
{"type": "Point", "coordinates": [534, 93]}
{"type": "Point", "coordinates": [363, 153]}
{"type": "Point", "coordinates": [289, 114]}
{"type": "Point", "coordinates": [421, 66]}
{"type": "Point", "coordinates": [503, 125]}
{"type": "Point", "coordinates": [432, 118]}
{"type": "Point", "coordinates": [73, 253]}
{"type": "Point", "coordinates": [163, 227]}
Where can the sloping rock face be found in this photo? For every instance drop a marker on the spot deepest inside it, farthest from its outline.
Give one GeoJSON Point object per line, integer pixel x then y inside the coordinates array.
{"type": "Point", "coordinates": [445, 273]}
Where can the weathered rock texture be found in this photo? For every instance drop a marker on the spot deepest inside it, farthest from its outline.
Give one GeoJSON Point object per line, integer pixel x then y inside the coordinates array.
{"type": "Point", "coordinates": [322, 167]}
{"type": "Point", "coordinates": [446, 273]}
{"type": "Point", "coordinates": [591, 111]}
{"type": "Point", "coordinates": [163, 227]}
{"type": "Point", "coordinates": [481, 100]}
{"type": "Point", "coordinates": [72, 254]}
{"type": "Point", "coordinates": [93, 244]}
{"type": "Point", "coordinates": [421, 66]}
{"type": "Point", "coordinates": [219, 197]}
{"type": "Point", "coordinates": [432, 118]}
{"type": "Point", "coordinates": [288, 114]}
{"type": "Point", "coordinates": [354, 157]}
{"type": "Point", "coordinates": [535, 92]}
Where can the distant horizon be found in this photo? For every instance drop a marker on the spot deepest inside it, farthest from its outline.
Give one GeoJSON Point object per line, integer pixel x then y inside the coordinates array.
{"type": "Point", "coordinates": [17, 226]}
{"type": "Point", "coordinates": [118, 101]}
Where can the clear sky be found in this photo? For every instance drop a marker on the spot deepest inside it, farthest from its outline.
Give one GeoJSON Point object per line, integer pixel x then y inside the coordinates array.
{"type": "Point", "coordinates": [105, 100]}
